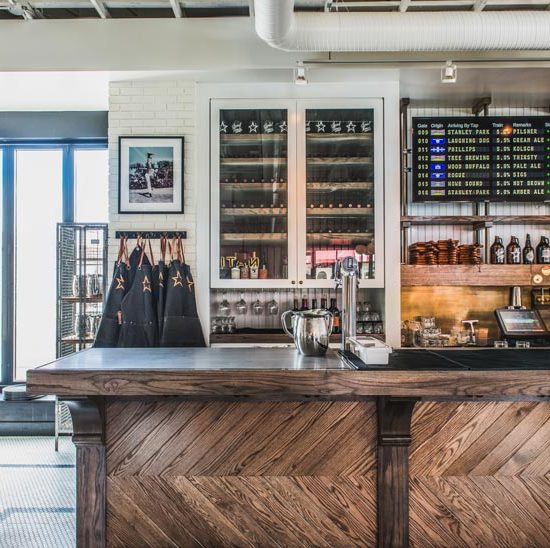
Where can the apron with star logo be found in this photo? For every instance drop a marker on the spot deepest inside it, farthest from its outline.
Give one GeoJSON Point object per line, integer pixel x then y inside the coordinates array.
{"type": "Point", "coordinates": [139, 316]}
{"type": "Point", "coordinates": [181, 322]}
{"type": "Point", "coordinates": [160, 277]}
{"type": "Point", "coordinates": [109, 329]}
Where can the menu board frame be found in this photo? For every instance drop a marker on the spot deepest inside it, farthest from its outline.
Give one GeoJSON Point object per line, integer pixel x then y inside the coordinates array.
{"type": "Point", "coordinates": [489, 156]}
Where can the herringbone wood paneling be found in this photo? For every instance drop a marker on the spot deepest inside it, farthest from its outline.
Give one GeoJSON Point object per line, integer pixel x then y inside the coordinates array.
{"type": "Point", "coordinates": [241, 474]}
{"type": "Point", "coordinates": [480, 474]}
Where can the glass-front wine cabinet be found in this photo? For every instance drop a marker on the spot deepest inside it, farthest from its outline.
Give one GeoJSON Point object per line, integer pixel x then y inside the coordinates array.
{"type": "Point", "coordinates": [296, 185]}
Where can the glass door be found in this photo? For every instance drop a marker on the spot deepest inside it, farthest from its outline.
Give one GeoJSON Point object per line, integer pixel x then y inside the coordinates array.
{"type": "Point", "coordinates": [342, 198]}
{"type": "Point", "coordinates": [253, 194]}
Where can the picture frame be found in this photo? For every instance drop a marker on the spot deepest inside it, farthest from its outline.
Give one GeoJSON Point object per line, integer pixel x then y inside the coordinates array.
{"type": "Point", "coordinates": [150, 174]}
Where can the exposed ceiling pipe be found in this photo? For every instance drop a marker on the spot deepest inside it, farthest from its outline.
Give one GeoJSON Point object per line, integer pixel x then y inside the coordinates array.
{"type": "Point", "coordinates": [278, 25]}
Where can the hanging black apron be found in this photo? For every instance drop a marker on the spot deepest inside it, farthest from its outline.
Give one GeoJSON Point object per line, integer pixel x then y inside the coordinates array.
{"type": "Point", "coordinates": [134, 260]}
{"type": "Point", "coordinates": [181, 323]}
{"type": "Point", "coordinates": [160, 277]}
{"type": "Point", "coordinates": [109, 329]}
{"type": "Point", "coordinates": [139, 319]}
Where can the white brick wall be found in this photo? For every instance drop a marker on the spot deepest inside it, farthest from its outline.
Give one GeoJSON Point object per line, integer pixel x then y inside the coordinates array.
{"type": "Point", "coordinates": [142, 108]}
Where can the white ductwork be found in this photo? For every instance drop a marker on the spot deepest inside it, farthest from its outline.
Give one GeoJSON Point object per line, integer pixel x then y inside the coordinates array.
{"type": "Point", "coordinates": [278, 25]}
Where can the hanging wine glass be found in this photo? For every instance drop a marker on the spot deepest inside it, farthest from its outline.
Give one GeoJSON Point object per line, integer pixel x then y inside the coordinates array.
{"type": "Point", "coordinates": [241, 307]}
{"type": "Point", "coordinates": [272, 307]}
{"type": "Point", "coordinates": [224, 308]}
{"type": "Point", "coordinates": [257, 306]}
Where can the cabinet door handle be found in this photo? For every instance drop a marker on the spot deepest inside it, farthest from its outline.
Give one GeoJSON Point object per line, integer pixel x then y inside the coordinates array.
{"type": "Point", "coordinates": [300, 282]}
{"type": "Point", "coordinates": [293, 282]}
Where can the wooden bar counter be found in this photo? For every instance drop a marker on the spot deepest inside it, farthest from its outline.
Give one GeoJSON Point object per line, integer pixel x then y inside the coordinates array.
{"type": "Point", "coordinates": [262, 447]}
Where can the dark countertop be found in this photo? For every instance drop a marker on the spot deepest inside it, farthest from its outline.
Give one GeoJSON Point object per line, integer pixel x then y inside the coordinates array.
{"type": "Point", "coordinates": [280, 372]}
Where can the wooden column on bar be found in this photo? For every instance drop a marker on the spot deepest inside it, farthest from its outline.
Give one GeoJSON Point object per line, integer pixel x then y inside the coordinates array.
{"type": "Point", "coordinates": [90, 472]}
{"type": "Point", "coordinates": [394, 439]}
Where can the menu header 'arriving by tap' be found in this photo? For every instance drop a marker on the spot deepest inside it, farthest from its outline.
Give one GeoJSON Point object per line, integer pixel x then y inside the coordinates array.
{"type": "Point", "coordinates": [481, 159]}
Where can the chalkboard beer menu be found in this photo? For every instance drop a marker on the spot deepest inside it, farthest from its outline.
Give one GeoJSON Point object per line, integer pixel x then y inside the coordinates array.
{"type": "Point", "coordinates": [481, 159]}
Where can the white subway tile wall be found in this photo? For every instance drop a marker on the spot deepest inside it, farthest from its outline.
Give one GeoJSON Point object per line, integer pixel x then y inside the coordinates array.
{"type": "Point", "coordinates": [142, 108]}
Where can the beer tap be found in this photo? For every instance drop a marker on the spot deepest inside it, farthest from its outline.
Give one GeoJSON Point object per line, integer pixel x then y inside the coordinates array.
{"type": "Point", "coordinates": [346, 276]}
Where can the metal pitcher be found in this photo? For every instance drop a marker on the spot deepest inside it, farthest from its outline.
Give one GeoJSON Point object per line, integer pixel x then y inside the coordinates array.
{"type": "Point", "coordinates": [311, 330]}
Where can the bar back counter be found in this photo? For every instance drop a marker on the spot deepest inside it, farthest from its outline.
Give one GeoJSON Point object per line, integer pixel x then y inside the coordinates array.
{"type": "Point", "coordinates": [262, 447]}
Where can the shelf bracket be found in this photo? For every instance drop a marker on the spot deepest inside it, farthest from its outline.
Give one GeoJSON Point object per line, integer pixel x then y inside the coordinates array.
{"type": "Point", "coordinates": [483, 224]}
{"type": "Point", "coordinates": [481, 105]}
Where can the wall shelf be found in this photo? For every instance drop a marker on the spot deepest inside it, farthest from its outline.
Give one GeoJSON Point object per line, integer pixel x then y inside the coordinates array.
{"type": "Point", "coordinates": [339, 211]}
{"type": "Point", "coordinates": [478, 220]}
{"type": "Point", "coordinates": [338, 160]}
{"type": "Point", "coordinates": [487, 275]}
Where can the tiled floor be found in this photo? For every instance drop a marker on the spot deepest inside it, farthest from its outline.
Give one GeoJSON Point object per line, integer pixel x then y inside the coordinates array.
{"type": "Point", "coordinates": [37, 493]}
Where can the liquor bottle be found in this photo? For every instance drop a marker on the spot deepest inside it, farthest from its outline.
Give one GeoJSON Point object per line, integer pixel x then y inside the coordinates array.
{"type": "Point", "coordinates": [313, 304]}
{"type": "Point", "coordinates": [305, 305]}
{"type": "Point", "coordinates": [513, 251]}
{"type": "Point", "coordinates": [296, 308]}
{"type": "Point", "coordinates": [528, 252]}
{"type": "Point", "coordinates": [498, 254]}
{"type": "Point", "coordinates": [324, 303]}
{"type": "Point", "coordinates": [335, 316]}
{"type": "Point", "coordinates": [263, 273]}
{"type": "Point", "coordinates": [543, 251]}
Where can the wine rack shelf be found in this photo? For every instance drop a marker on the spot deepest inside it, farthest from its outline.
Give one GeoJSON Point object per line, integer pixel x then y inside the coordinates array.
{"type": "Point", "coordinates": [253, 137]}
{"type": "Point", "coordinates": [338, 238]}
{"type": "Point", "coordinates": [338, 160]}
{"type": "Point", "coordinates": [340, 136]}
{"type": "Point", "coordinates": [333, 185]}
{"type": "Point", "coordinates": [487, 275]}
{"type": "Point", "coordinates": [253, 161]}
{"type": "Point", "coordinates": [274, 187]}
{"type": "Point", "coordinates": [253, 211]}
{"type": "Point", "coordinates": [76, 340]}
{"type": "Point", "coordinates": [235, 238]}
{"type": "Point", "coordinates": [340, 211]}
{"type": "Point", "coordinates": [485, 220]}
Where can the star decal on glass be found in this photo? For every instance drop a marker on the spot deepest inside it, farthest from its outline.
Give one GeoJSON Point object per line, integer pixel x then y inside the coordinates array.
{"type": "Point", "coordinates": [253, 127]}
{"type": "Point", "coordinates": [320, 127]}
{"type": "Point", "coordinates": [146, 284]}
{"type": "Point", "coordinates": [350, 126]}
{"type": "Point", "coordinates": [120, 282]}
{"type": "Point", "coordinates": [308, 126]}
{"type": "Point", "coordinates": [237, 127]}
{"type": "Point", "coordinates": [177, 279]}
{"type": "Point", "coordinates": [336, 127]}
{"type": "Point", "coordinates": [366, 127]}
{"type": "Point", "coordinates": [283, 127]}
{"type": "Point", "coordinates": [223, 127]}
{"type": "Point", "coordinates": [190, 284]}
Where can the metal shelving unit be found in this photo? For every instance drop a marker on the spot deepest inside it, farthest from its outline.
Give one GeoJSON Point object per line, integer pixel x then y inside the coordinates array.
{"type": "Point", "coordinates": [81, 268]}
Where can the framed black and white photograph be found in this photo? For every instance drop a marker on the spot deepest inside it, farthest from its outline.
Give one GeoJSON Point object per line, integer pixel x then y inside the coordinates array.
{"type": "Point", "coordinates": [150, 176]}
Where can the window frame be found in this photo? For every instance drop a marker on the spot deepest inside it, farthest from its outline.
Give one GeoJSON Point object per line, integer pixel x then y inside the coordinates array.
{"type": "Point", "coordinates": [8, 149]}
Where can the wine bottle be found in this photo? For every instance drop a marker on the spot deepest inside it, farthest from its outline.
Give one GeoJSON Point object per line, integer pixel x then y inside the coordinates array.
{"type": "Point", "coordinates": [543, 251]}
{"type": "Point", "coordinates": [528, 252]}
{"type": "Point", "coordinates": [513, 251]}
{"type": "Point", "coordinates": [498, 254]}
{"type": "Point", "coordinates": [305, 305]}
{"type": "Point", "coordinates": [313, 304]}
{"type": "Point", "coordinates": [335, 316]}
{"type": "Point", "coordinates": [296, 308]}
{"type": "Point", "coordinates": [324, 303]}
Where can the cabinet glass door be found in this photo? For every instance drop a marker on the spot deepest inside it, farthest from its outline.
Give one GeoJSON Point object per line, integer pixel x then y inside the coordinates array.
{"type": "Point", "coordinates": [342, 193]}
{"type": "Point", "coordinates": [252, 197]}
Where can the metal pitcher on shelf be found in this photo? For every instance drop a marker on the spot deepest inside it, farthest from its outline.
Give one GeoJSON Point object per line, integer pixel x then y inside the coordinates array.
{"type": "Point", "coordinates": [311, 330]}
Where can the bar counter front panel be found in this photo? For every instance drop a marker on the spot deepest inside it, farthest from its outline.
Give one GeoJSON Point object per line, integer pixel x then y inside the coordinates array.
{"type": "Point", "coordinates": [259, 447]}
